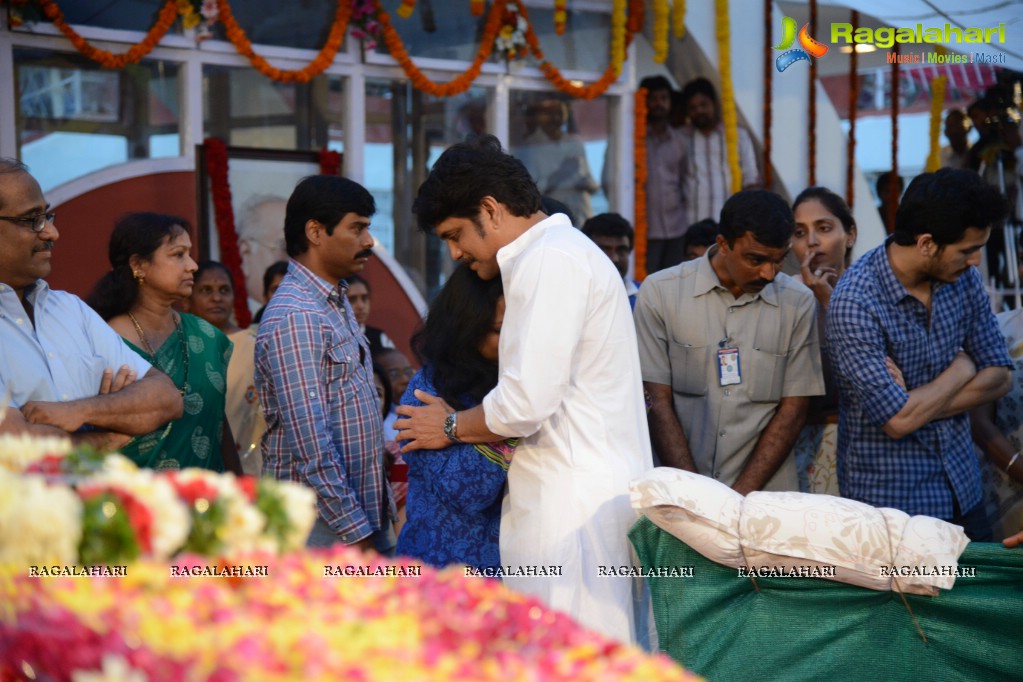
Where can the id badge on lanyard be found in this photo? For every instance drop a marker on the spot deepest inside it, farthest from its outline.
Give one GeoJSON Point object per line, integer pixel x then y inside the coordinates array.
{"type": "Point", "coordinates": [729, 370]}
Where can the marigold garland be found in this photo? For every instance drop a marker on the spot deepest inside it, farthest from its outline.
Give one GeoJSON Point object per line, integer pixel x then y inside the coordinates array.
{"type": "Point", "coordinates": [639, 161]}
{"type": "Point", "coordinates": [476, 8]}
{"type": "Point", "coordinates": [728, 113]}
{"type": "Point", "coordinates": [854, 98]}
{"type": "Point", "coordinates": [678, 18]}
{"type": "Point", "coordinates": [618, 33]}
{"type": "Point", "coordinates": [318, 65]}
{"type": "Point", "coordinates": [768, 92]}
{"type": "Point", "coordinates": [937, 104]}
{"type": "Point", "coordinates": [811, 101]}
{"type": "Point", "coordinates": [223, 215]}
{"type": "Point", "coordinates": [662, 14]}
{"type": "Point", "coordinates": [168, 14]}
{"type": "Point", "coordinates": [560, 16]}
{"type": "Point", "coordinates": [460, 84]}
{"type": "Point", "coordinates": [406, 8]}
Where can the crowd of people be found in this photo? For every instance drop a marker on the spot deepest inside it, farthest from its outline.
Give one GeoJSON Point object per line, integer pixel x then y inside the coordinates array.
{"type": "Point", "coordinates": [548, 378]}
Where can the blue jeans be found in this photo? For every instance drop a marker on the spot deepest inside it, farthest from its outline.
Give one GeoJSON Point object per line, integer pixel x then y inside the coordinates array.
{"type": "Point", "coordinates": [322, 535]}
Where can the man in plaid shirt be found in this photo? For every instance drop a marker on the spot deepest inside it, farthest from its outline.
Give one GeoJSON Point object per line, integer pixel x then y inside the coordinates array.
{"type": "Point", "coordinates": [915, 346]}
{"type": "Point", "coordinates": [314, 373]}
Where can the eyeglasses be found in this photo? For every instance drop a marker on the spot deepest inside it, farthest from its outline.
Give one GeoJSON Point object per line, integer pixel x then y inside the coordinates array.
{"type": "Point", "coordinates": [37, 223]}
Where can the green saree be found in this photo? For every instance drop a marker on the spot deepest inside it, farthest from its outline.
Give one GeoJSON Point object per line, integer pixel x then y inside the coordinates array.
{"type": "Point", "coordinates": [194, 439]}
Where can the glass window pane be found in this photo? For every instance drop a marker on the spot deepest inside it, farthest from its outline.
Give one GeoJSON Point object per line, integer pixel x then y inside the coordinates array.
{"type": "Point", "coordinates": [247, 109]}
{"type": "Point", "coordinates": [406, 130]}
{"type": "Point", "coordinates": [125, 15]}
{"type": "Point", "coordinates": [75, 118]}
{"type": "Point", "coordinates": [563, 143]}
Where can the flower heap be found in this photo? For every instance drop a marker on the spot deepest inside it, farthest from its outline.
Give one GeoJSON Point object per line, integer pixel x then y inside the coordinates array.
{"type": "Point", "coordinates": [299, 622]}
{"type": "Point", "coordinates": [511, 39]}
{"type": "Point", "coordinates": [363, 24]}
{"type": "Point", "coordinates": [80, 507]}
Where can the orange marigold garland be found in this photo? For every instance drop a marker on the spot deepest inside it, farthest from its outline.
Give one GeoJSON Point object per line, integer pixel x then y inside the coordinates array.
{"type": "Point", "coordinates": [476, 7]}
{"type": "Point", "coordinates": [406, 8]}
{"type": "Point", "coordinates": [639, 159]}
{"type": "Point", "coordinates": [462, 82]}
{"type": "Point", "coordinates": [168, 14]}
{"type": "Point", "coordinates": [560, 16]}
{"type": "Point", "coordinates": [318, 65]}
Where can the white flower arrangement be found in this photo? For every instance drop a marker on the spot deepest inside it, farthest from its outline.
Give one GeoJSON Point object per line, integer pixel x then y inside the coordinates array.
{"type": "Point", "coordinates": [20, 451]}
{"type": "Point", "coordinates": [39, 524]}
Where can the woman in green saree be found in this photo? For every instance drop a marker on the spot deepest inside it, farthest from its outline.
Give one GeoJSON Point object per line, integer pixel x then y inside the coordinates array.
{"type": "Point", "coordinates": [153, 270]}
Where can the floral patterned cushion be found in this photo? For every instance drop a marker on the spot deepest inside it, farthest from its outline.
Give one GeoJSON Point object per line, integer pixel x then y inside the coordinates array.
{"type": "Point", "coordinates": [881, 549]}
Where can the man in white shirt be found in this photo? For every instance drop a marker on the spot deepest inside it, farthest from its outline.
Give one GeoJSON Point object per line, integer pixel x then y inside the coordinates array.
{"type": "Point", "coordinates": [569, 386]}
{"type": "Point", "coordinates": [707, 180]}
{"type": "Point", "coordinates": [63, 370]}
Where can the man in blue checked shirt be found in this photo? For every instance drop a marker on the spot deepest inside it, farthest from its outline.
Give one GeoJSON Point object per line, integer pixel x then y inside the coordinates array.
{"type": "Point", "coordinates": [915, 346]}
{"type": "Point", "coordinates": [314, 374]}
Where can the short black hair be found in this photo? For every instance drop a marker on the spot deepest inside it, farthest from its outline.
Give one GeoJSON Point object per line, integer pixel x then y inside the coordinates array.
{"type": "Point", "coordinates": [550, 206]}
{"type": "Point", "coordinates": [277, 269]}
{"type": "Point", "coordinates": [355, 279]}
{"type": "Point", "coordinates": [609, 225]}
{"type": "Point", "coordinates": [700, 86]}
{"type": "Point", "coordinates": [883, 184]}
{"type": "Point", "coordinates": [835, 204]}
{"type": "Point", "coordinates": [654, 83]}
{"type": "Point", "coordinates": [326, 199]}
{"type": "Point", "coordinates": [944, 204]}
{"type": "Point", "coordinates": [207, 265]}
{"type": "Point", "coordinates": [763, 214]}
{"type": "Point", "coordinates": [466, 173]}
{"type": "Point", "coordinates": [702, 233]}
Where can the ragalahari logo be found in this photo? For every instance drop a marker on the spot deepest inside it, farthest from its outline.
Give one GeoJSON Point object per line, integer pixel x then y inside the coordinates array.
{"type": "Point", "coordinates": [808, 46]}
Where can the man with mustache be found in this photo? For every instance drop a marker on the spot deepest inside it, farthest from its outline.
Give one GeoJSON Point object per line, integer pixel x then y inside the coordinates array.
{"type": "Point", "coordinates": [707, 179]}
{"type": "Point", "coordinates": [729, 350]}
{"type": "Point", "coordinates": [915, 346]}
{"type": "Point", "coordinates": [314, 372]}
{"type": "Point", "coordinates": [57, 369]}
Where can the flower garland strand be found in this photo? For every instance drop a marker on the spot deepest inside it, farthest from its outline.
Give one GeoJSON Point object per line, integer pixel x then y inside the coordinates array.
{"type": "Point", "coordinates": [893, 184]}
{"type": "Point", "coordinates": [854, 98]}
{"type": "Point", "coordinates": [728, 113]}
{"type": "Point", "coordinates": [223, 214]}
{"type": "Point", "coordinates": [476, 8]}
{"type": "Point", "coordinates": [639, 161]}
{"type": "Point", "coordinates": [168, 15]}
{"type": "Point", "coordinates": [618, 32]}
{"type": "Point", "coordinates": [768, 92]}
{"type": "Point", "coordinates": [937, 104]}
{"type": "Point", "coordinates": [662, 14]}
{"type": "Point", "coordinates": [678, 18]}
{"type": "Point", "coordinates": [560, 16]}
{"type": "Point", "coordinates": [330, 162]}
{"type": "Point", "coordinates": [551, 72]}
{"type": "Point", "coordinates": [318, 65]}
{"type": "Point", "coordinates": [812, 103]}
{"type": "Point", "coordinates": [461, 83]}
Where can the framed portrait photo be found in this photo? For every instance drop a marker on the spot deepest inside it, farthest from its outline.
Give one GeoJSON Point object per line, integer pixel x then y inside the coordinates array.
{"type": "Point", "coordinates": [260, 181]}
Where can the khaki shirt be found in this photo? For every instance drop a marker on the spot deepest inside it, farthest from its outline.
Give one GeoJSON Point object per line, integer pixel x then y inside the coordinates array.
{"type": "Point", "coordinates": [683, 316]}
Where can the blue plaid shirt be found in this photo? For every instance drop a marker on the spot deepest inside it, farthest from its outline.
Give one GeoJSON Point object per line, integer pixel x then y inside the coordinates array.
{"type": "Point", "coordinates": [323, 423]}
{"type": "Point", "coordinates": [871, 315]}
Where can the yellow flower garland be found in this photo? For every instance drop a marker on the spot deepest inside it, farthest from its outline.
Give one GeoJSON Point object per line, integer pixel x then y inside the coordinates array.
{"type": "Point", "coordinates": [678, 17]}
{"type": "Point", "coordinates": [937, 104]}
{"type": "Point", "coordinates": [618, 12]}
{"type": "Point", "coordinates": [728, 113]}
{"type": "Point", "coordinates": [661, 16]}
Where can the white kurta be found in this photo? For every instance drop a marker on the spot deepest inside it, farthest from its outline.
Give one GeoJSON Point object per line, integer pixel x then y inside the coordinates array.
{"type": "Point", "coordinates": [570, 384]}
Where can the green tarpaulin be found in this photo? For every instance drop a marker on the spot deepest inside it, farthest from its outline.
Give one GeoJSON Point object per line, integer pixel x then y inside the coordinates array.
{"type": "Point", "coordinates": [717, 624]}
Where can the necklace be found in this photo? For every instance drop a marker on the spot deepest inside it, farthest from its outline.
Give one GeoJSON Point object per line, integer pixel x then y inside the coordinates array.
{"type": "Point", "coordinates": [152, 353]}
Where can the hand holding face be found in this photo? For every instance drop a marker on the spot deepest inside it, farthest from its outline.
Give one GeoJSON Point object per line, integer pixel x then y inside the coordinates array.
{"type": "Point", "coordinates": [821, 280]}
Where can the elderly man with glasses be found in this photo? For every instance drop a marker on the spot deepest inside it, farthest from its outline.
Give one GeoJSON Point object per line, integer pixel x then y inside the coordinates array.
{"type": "Point", "coordinates": [63, 370]}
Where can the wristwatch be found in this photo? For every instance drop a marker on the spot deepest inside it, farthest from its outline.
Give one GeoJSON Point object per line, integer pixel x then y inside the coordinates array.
{"type": "Point", "coordinates": [451, 426]}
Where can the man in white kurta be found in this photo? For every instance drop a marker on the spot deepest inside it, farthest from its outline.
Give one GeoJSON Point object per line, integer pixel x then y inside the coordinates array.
{"type": "Point", "coordinates": [569, 386]}
{"type": "Point", "coordinates": [570, 383]}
